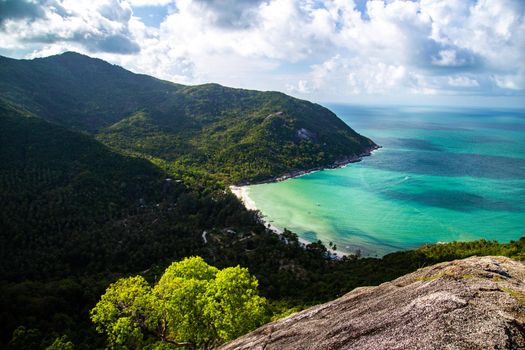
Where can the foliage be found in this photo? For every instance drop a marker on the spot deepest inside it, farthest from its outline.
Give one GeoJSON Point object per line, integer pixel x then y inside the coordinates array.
{"type": "Point", "coordinates": [193, 304]}
{"type": "Point", "coordinates": [235, 134]}
{"type": "Point", "coordinates": [61, 343]}
{"type": "Point", "coordinates": [24, 338]}
{"type": "Point", "coordinates": [77, 216]}
{"type": "Point", "coordinates": [75, 212]}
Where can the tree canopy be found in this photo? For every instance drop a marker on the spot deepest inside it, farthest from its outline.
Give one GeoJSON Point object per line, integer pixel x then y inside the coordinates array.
{"type": "Point", "coordinates": [234, 134]}
{"type": "Point", "coordinates": [193, 304]}
{"type": "Point", "coordinates": [77, 215]}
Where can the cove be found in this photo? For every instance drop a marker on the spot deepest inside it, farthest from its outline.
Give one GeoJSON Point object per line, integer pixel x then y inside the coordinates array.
{"type": "Point", "coordinates": [443, 174]}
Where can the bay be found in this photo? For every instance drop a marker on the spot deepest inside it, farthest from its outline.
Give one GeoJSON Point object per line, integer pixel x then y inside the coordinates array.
{"type": "Point", "coordinates": [443, 174]}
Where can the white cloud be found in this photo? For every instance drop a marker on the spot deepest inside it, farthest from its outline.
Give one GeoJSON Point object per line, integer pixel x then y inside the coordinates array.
{"type": "Point", "coordinates": [511, 82]}
{"type": "Point", "coordinates": [447, 58]}
{"type": "Point", "coordinates": [339, 76]}
{"type": "Point", "coordinates": [322, 49]}
{"type": "Point", "coordinates": [98, 27]}
{"type": "Point", "coordinates": [462, 81]}
{"type": "Point", "coordinates": [494, 30]}
{"type": "Point", "coordinates": [141, 3]}
{"type": "Point", "coordinates": [421, 47]}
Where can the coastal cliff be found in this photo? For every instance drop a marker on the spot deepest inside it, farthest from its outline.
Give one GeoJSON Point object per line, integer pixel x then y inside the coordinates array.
{"type": "Point", "coordinates": [476, 303]}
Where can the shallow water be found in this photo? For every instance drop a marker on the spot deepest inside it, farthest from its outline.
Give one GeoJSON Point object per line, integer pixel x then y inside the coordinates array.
{"type": "Point", "coordinates": [442, 175]}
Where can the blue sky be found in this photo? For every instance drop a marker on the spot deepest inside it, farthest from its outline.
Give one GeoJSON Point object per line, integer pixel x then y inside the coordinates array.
{"type": "Point", "coordinates": [452, 52]}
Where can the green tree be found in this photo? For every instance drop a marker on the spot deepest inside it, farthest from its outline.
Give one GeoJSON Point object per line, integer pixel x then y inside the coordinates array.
{"type": "Point", "coordinates": [123, 312]}
{"type": "Point", "coordinates": [61, 343]}
{"type": "Point", "coordinates": [193, 305]}
{"type": "Point", "coordinates": [232, 303]}
{"type": "Point", "coordinates": [24, 338]}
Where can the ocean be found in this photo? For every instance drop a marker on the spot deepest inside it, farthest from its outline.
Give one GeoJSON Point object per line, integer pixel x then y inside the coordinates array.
{"type": "Point", "coordinates": [443, 174]}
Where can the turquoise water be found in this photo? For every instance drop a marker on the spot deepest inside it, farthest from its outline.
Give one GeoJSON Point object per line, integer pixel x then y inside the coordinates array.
{"type": "Point", "coordinates": [442, 175]}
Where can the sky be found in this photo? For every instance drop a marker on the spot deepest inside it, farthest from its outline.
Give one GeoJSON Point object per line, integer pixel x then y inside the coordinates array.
{"type": "Point", "coordinates": [444, 52]}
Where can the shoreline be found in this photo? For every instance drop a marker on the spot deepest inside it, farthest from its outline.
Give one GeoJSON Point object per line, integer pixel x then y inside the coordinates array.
{"type": "Point", "coordinates": [297, 173]}
{"type": "Point", "coordinates": [241, 192]}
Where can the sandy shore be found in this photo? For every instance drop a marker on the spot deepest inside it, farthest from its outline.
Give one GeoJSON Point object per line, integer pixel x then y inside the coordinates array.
{"type": "Point", "coordinates": [242, 193]}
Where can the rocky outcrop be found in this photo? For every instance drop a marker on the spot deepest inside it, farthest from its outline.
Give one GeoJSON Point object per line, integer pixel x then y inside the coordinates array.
{"type": "Point", "coordinates": [305, 134]}
{"type": "Point", "coordinates": [476, 303]}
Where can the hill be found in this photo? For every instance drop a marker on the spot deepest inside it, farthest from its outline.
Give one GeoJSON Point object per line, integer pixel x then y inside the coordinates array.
{"type": "Point", "coordinates": [237, 135]}
{"type": "Point", "coordinates": [58, 186]}
{"type": "Point", "coordinates": [476, 303]}
{"type": "Point", "coordinates": [105, 173]}
{"type": "Point", "coordinates": [76, 215]}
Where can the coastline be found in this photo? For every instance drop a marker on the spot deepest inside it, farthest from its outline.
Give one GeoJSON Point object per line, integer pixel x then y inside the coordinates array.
{"type": "Point", "coordinates": [297, 173]}
{"type": "Point", "coordinates": [241, 192]}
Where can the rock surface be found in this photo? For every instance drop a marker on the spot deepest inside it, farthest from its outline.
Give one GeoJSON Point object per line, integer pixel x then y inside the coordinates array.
{"type": "Point", "coordinates": [476, 303]}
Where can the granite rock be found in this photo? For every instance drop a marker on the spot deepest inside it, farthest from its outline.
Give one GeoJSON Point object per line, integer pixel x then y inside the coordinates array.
{"type": "Point", "coordinates": [475, 303]}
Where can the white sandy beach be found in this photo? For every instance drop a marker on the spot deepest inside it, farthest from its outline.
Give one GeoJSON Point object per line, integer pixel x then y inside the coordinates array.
{"type": "Point", "coordinates": [242, 193]}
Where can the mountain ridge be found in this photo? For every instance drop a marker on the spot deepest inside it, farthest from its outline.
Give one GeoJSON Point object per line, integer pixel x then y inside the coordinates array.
{"type": "Point", "coordinates": [237, 134]}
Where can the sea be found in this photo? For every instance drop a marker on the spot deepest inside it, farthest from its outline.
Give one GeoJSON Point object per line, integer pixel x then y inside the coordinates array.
{"type": "Point", "coordinates": [442, 175]}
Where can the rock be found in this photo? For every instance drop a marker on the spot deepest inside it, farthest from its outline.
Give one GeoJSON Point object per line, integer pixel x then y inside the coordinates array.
{"type": "Point", "coordinates": [305, 134]}
{"type": "Point", "coordinates": [476, 303]}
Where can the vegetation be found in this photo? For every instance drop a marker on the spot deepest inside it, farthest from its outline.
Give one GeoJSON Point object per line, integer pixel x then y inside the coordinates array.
{"type": "Point", "coordinates": [235, 134]}
{"type": "Point", "coordinates": [193, 304]}
{"type": "Point", "coordinates": [107, 174]}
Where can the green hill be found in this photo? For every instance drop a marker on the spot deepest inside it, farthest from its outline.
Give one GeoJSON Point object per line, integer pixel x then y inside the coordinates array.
{"type": "Point", "coordinates": [76, 215]}
{"type": "Point", "coordinates": [57, 186]}
{"type": "Point", "coordinates": [235, 134]}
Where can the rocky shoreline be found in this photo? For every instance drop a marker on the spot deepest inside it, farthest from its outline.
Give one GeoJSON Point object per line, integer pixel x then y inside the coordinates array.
{"type": "Point", "coordinates": [337, 164]}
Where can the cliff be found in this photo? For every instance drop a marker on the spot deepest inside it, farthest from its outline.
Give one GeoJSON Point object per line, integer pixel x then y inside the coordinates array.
{"type": "Point", "coordinates": [476, 303]}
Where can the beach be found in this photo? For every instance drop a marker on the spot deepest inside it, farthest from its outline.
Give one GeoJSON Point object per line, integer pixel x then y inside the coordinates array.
{"type": "Point", "coordinates": [428, 184]}
{"type": "Point", "coordinates": [241, 192]}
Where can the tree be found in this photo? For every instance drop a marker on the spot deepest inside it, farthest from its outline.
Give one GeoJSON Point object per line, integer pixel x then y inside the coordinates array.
{"type": "Point", "coordinates": [61, 343]}
{"type": "Point", "coordinates": [194, 305]}
{"type": "Point", "coordinates": [124, 311]}
{"type": "Point", "coordinates": [24, 338]}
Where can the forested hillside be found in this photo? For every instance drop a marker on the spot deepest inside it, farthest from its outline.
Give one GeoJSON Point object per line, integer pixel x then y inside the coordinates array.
{"type": "Point", "coordinates": [106, 174]}
{"type": "Point", "coordinates": [76, 216]}
{"type": "Point", "coordinates": [236, 134]}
